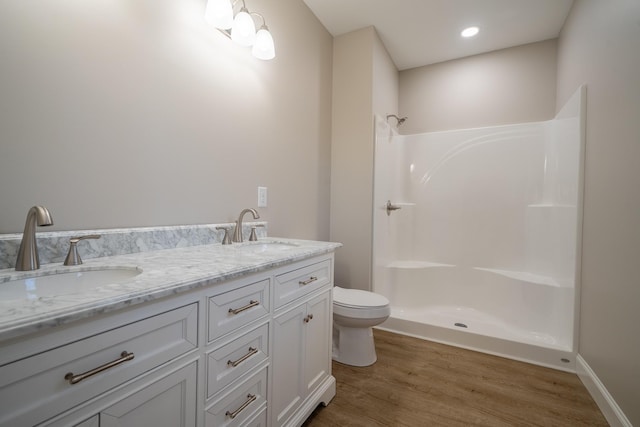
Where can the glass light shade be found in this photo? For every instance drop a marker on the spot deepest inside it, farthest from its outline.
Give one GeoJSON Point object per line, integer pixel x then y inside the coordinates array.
{"type": "Point", "coordinates": [243, 30]}
{"type": "Point", "coordinates": [219, 13]}
{"type": "Point", "coordinates": [264, 48]}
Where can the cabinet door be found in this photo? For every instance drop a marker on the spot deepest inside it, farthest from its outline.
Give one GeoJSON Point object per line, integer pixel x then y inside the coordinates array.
{"type": "Point", "coordinates": [318, 341]}
{"type": "Point", "coordinates": [288, 363]}
{"type": "Point", "coordinates": [168, 402]}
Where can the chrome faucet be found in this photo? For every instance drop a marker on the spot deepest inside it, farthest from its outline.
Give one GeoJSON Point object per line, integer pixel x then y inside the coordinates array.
{"type": "Point", "coordinates": [28, 258]}
{"type": "Point", "coordinates": [237, 234]}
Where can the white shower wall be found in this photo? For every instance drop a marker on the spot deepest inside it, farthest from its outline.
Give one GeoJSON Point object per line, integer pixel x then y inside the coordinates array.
{"type": "Point", "coordinates": [470, 189]}
{"type": "Point", "coordinates": [483, 197]}
{"type": "Point", "coordinates": [503, 200]}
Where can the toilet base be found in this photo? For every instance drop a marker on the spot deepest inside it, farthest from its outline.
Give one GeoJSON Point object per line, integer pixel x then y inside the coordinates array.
{"type": "Point", "coordinates": [353, 346]}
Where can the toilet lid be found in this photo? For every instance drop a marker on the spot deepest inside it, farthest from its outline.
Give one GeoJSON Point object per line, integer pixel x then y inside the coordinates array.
{"type": "Point", "coordinates": [356, 298]}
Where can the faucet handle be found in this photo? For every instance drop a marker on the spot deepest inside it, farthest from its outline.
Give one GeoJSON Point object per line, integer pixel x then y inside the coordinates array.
{"type": "Point", "coordinates": [253, 237]}
{"type": "Point", "coordinates": [226, 240]}
{"type": "Point", "coordinates": [73, 257]}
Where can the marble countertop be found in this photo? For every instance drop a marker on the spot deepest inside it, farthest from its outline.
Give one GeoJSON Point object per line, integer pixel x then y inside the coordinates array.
{"type": "Point", "coordinates": [164, 272]}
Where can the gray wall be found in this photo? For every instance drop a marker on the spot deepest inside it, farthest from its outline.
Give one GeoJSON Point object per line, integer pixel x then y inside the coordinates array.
{"type": "Point", "coordinates": [386, 81]}
{"type": "Point", "coordinates": [136, 113]}
{"type": "Point", "coordinates": [600, 46]}
{"type": "Point", "coordinates": [365, 82]}
{"type": "Point", "coordinates": [506, 86]}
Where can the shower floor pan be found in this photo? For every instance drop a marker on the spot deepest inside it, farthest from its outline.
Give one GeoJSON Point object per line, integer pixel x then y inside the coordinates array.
{"type": "Point", "coordinates": [472, 329]}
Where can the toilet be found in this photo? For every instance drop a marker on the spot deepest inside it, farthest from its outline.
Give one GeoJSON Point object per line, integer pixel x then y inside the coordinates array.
{"type": "Point", "coordinates": [355, 312]}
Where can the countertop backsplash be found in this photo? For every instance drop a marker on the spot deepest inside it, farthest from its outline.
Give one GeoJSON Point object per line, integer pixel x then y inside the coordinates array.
{"type": "Point", "coordinates": [54, 245]}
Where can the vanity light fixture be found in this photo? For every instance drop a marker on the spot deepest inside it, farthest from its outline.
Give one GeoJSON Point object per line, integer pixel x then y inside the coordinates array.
{"type": "Point", "coordinates": [263, 48]}
{"type": "Point", "coordinates": [219, 13]}
{"type": "Point", "coordinates": [241, 28]}
{"type": "Point", "coordinates": [470, 32]}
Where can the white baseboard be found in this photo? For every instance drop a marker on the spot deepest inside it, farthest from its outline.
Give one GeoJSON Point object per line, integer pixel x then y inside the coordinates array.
{"type": "Point", "coordinates": [610, 409]}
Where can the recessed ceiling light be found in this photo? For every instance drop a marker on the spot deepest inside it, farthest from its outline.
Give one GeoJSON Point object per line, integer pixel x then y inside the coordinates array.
{"type": "Point", "coordinates": [470, 32]}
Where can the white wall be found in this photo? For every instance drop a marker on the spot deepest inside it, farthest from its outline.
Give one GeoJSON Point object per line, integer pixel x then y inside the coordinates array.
{"type": "Point", "coordinates": [600, 46]}
{"type": "Point", "coordinates": [135, 113]}
{"type": "Point", "coordinates": [506, 86]}
{"type": "Point", "coordinates": [365, 82]}
{"type": "Point", "coordinates": [351, 156]}
{"type": "Point", "coordinates": [385, 81]}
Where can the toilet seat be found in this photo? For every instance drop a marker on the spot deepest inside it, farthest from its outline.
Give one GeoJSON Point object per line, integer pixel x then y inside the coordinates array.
{"type": "Point", "coordinates": [358, 299]}
{"type": "Point", "coordinates": [358, 304]}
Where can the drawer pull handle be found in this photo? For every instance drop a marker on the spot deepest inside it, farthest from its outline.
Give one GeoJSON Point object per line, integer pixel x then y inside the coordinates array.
{"type": "Point", "coordinates": [74, 379]}
{"type": "Point", "coordinates": [250, 398]}
{"type": "Point", "coordinates": [308, 318]}
{"type": "Point", "coordinates": [252, 303]}
{"type": "Point", "coordinates": [309, 280]}
{"type": "Point", "coordinates": [235, 363]}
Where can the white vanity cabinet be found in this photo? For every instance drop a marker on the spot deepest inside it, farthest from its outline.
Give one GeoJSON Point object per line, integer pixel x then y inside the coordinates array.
{"type": "Point", "coordinates": [237, 357]}
{"type": "Point", "coordinates": [89, 360]}
{"type": "Point", "coordinates": [302, 343]}
{"type": "Point", "coordinates": [168, 401]}
{"type": "Point", "coordinates": [251, 351]}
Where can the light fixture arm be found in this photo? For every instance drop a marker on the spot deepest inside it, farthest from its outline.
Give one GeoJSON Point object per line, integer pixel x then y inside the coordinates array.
{"type": "Point", "coordinates": [264, 23]}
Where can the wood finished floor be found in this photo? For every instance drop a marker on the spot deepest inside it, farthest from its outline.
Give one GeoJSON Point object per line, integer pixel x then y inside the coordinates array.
{"type": "Point", "coordinates": [422, 383]}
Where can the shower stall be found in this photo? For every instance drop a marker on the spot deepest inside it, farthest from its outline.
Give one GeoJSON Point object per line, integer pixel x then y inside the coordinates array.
{"type": "Point", "coordinates": [477, 235]}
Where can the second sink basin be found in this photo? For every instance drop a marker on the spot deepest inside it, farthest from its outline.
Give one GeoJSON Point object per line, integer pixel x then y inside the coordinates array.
{"type": "Point", "coordinates": [65, 283]}
{"type": "Point", "coordinates": [257, 247]}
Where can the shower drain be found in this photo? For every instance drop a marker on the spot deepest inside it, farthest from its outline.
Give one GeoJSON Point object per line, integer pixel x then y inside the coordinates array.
{"type": "Point", "coordinates": [460, 325]}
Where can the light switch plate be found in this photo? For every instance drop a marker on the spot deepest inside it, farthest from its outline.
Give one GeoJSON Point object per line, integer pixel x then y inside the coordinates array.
{"type": "Point", "coordinates": [262, 197]}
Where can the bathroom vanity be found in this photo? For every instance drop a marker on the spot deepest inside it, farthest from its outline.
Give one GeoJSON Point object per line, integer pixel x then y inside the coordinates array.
{"type": "Point", "coordinates": [211, 335]}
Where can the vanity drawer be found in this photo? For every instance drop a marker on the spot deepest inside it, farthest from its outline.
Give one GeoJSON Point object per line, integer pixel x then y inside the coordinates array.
{"type": "Point", "coordinates": [36, 388]}
{"type": "Point", "coordinates": [233, 360]}
{"type": "Point", "coordinates": [297, 283]}
{"type": "Point", "coordinates": [234, 309]}
{"type": "Point", "coordinates": [241, 404]}
{"type": "Point", "coordinates": [260, 420]}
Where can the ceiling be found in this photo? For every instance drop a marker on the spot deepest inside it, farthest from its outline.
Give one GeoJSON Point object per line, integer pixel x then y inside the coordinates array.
{"type": "Point", "coordinates": [422, 32]}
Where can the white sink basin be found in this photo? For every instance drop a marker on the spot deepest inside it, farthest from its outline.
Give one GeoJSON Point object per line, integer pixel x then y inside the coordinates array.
{"type": "Point", "coordinates": [257, 247]}
{"type": "Point", "coordinates": [57, 284]}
